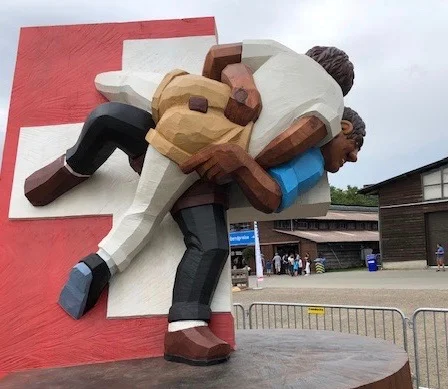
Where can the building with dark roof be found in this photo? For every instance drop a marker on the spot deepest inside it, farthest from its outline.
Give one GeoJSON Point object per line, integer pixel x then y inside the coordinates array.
{"type": "Point", "coordinates": [413, 215]}
{"type": "Point", "coordinates": [344, 236]}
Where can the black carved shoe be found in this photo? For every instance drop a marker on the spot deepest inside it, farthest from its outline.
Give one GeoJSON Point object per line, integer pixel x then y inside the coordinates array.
{"type": "Point", "coordinates": [85, 284]}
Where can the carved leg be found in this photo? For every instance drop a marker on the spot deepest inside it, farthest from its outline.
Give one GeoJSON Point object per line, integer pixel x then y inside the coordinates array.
{"type": "Point", "coordinates": [109, 126]}
{"type": "Point", "coordinates": [189, 339]}
{"type": "Point", "coordinates": [161, 184]}
{"type": "Point", "coordinates": [87, 281]}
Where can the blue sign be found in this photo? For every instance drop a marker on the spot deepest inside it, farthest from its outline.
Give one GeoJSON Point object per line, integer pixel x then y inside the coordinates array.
{"type": "Point", "coordinates": [242, 238]}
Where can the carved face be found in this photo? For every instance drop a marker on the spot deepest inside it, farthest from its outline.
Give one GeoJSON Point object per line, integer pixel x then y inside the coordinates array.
{"type": "Point", "coordinates": [340, 149]}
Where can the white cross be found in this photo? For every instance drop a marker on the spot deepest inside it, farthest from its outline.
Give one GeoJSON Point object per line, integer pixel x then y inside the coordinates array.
{"type": "Point", "coordinates": [145, 288]}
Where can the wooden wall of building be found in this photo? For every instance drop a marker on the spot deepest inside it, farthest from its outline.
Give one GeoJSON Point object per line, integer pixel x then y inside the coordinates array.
{"type": "Point", "coordinates": [345, 255]}
{"type": "Point", "coordinates": [403, 229]}
{"type": "Point", "coordinates": [270, 238]}
{"type": "Point", "coordinates": [338, 255]}
{"type": "Point", "coordinates": [268, 235]}
{"type": "Point", "coordinates": [402, 233]}
{"type": "Point", "coordinates": [405, 191]}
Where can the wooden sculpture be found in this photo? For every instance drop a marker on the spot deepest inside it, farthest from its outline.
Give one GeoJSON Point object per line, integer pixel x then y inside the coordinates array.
{"type": "Point", "coordinates": [261, 116]}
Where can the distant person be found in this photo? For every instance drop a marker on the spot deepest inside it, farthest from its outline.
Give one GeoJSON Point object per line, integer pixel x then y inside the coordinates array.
{"type": "Point", "coordinates": [268, 267]}
{"type": "Point", "coordinates": [296, 265]}
{"type": "Point", "coordinates": [277, 263]}
{"type": "Point", "coordinates": [440, 253]}
{"type": "Point", "coordinates": [285, 264]}
{"type": "Point", "coordinates": [307, 267]}
{"type": "Point", "coordinates": [291, 264]}
{"type": "Point", "coordinates": [299, 259]}
{"type": "Point", "coordinates": [307, 264]}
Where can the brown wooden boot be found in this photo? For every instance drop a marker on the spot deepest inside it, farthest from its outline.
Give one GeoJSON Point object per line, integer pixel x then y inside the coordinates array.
{"type": "Point", "coordinates": [196, 346]}
{"type": "Point", "coordinates": [48, 183]}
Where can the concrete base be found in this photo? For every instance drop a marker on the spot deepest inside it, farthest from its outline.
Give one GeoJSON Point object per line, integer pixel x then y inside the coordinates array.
{"type": "Point", "coordinates": [405, 265]}
{"type": "Point", "coordinates": [264, 359]}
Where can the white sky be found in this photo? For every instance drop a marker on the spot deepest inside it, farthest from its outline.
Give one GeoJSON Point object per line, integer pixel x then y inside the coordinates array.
{"type": "Point", "coordinates": [398, 49]}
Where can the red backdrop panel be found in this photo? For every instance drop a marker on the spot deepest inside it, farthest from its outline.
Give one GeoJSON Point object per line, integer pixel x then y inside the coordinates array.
{"type": "Point", "coordinates": [54, 84]}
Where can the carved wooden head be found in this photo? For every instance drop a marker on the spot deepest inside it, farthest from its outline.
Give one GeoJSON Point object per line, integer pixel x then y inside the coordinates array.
{"type": "Point", "coordinates": [337, 64]}
{"type": "Point", "coordinates": [346, 145]}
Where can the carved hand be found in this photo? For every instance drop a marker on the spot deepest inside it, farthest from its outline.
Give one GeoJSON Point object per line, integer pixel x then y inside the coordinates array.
{"type": "Point", "coordinates": [217, 163]}
{"type": "Point", "coordinates": [222, 163]}
{"type": "Point", "coordinates": [218, 57]}
{"type": "Point", "coordinates": [244, 104]}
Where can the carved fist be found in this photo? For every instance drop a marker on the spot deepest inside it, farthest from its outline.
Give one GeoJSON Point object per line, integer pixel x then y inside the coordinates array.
{"type": "Point", "coordinates": [244, 103]}
{"type": "Point", "coordinates": [217, 163]}
{"type": "Point", "coordinates": [244, 106]}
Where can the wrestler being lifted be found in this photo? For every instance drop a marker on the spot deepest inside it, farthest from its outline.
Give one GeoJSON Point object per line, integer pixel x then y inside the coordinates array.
{"type": "Point", "coordinates": [261, 115]}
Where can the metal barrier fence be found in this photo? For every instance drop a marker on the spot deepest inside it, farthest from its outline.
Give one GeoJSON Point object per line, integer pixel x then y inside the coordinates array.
{"type": "Point", "coordinates": [379, 322]}
{"type": "Point", "coordinates": [239, 317]}
{"type": "Point", "coordinates": [428, 353]}
{"type": "Point", "coordinates": [431, 347]}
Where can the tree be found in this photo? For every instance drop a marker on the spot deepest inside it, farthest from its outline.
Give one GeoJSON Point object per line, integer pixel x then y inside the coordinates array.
{"type": "Point", "coordinates": [248, 254]}
{"type": "Point", "coordinates": [350, 196]}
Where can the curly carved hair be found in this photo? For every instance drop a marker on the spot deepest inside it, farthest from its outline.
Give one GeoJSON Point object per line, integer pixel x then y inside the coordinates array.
{"type": "Point", "coordinates": [336, 63]}
{"type": "Point", "coordinates": [359, 127]}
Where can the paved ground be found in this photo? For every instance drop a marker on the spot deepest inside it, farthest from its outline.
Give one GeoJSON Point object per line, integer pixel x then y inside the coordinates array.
{"type": "Point", "coordinates": [362, 279]}
{"type": "Point", "coordinates": [405, 290]}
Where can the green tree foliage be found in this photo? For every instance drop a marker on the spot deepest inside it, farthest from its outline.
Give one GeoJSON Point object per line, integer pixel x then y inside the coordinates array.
{"type": "Point", "coordinates": [248, 254]}
{"type": "Point", "coordinates": [350, 196]}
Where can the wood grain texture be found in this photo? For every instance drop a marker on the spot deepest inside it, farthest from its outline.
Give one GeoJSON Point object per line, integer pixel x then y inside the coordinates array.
{"type": "Point", "coordinates": [198, 103]}
{"type": "Point", "coordinates": [138, 291]}
{"type": "Point", "coordinates": [177, 91]}
{"type": "Point", "coordinates": [275, 96]}
{"type": "Point", "coordinates": [182, 132]}
{"type": "Point", "coordinates": [244, 105]}
{"type": "Point", "coordinates": [41, 145]}
{"type": "Point", "coordinates": [50, 182]}
{"type": "Point", "coordinates": [261, 190]}
{"type": "Point", "coordinates": [305, 133]}
{"type": "Point", "coordinates": [128, 87]}
{"type": "Point", "coordinates": [291, 87]}
{"type": "Point", "coordinates": [313, 203]}
{"type": "Point", "coordinates": [407, 190]}
{"type": "Point", "coordinates": [255, 52]}
{"type": "Point", "coordinates": [161, 184]}
{"type": "Point", "coordinates": [408, 227]}
{"type": "Point", "coordinates": [158, 93]}
{"type": "Point", "coordinates": [203, 192]}
{"type": "Point", "coordinates": [198, 345]}
{"type": "Point", "coordinates": [54, 84]}
{"type": "Point", "coordinates": [303, 359]}
{"type": "Point", "coordinates": [225, 162]}
{"type": "Point", "coordinates": [135, 292]}
{"type": "Point", "coordinates": [218, 57]}
{"type": "Point", "coordinates": [405, 226]}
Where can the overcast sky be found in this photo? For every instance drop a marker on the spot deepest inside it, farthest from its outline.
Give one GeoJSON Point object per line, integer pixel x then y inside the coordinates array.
{"type": "Point", "coordinates": [399, 53]}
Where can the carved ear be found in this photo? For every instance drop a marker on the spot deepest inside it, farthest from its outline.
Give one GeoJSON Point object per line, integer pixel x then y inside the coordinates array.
{"type": "Point", "coordinates": [347, 127]}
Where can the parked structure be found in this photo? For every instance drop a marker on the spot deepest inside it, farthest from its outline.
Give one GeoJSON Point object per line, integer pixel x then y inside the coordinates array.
{"type": "Point", "coordinates": [344, 236]}
{"type": "Point", "coordinates": [413, 215]}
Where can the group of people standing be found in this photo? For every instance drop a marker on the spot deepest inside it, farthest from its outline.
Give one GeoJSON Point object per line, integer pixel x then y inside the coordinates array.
{"type": "Point", "coordinates": [291, 264]}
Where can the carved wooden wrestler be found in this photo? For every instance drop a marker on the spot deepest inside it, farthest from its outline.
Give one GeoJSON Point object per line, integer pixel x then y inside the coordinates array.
{"type": "Point", "coordinates": [261, 115]}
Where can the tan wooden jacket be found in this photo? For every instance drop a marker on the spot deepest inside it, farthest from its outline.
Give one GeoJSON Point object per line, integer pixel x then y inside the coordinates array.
{"type": "Point", "coordinates": [181, 132]}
